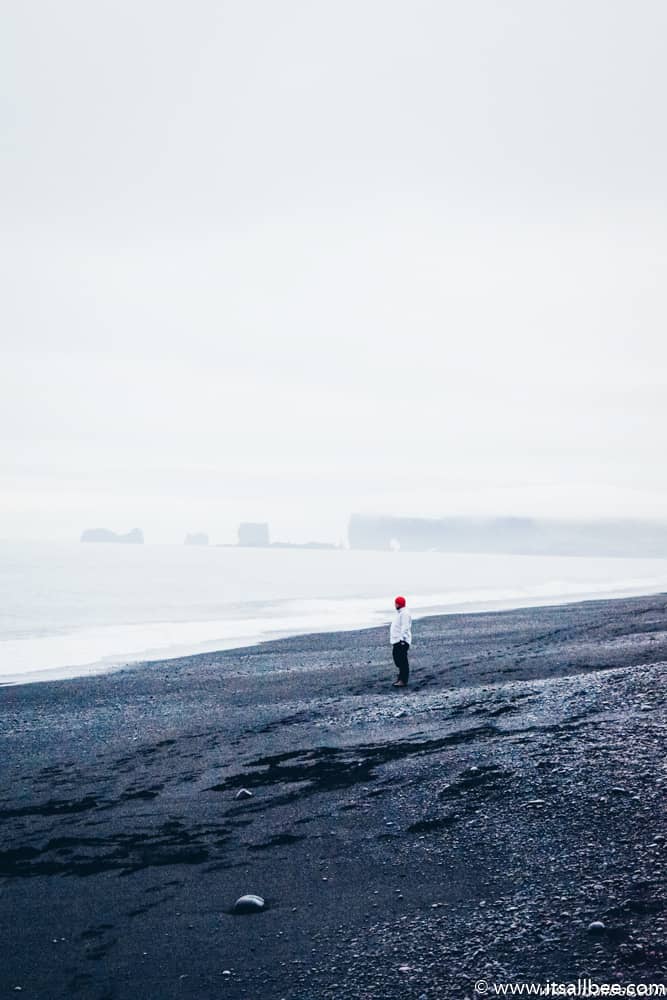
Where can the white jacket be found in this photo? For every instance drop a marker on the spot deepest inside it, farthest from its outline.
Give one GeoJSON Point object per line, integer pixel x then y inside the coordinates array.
{"type": "Point", "coordinates": [401, 627]}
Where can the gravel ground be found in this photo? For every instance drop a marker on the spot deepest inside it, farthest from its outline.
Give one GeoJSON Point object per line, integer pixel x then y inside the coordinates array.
{"type": "Point", "coordinates": [407, 844]}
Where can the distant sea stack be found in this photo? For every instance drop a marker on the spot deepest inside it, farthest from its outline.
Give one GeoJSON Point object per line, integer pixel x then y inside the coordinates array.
{"type": "Point", "coordinates": [254, 533]}
{"type": "Point", "coordinates": [196, 538]}
{"type": "Point", "coordinates": [134, 537]}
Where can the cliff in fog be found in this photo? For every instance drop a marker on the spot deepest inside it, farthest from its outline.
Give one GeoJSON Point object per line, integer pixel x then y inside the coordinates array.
{"type": "Point", "coordinates": [512, 535]}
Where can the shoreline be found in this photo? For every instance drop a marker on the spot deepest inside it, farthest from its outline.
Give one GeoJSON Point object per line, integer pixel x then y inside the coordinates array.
{"type": "Point", "coordinates": [407, 843]}
{"type": "Point", "coordinates": [115, 663]}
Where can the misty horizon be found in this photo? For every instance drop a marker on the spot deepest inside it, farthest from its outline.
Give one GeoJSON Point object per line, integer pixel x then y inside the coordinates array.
{"type": "Point", "coordinates": [302, 260]}
{"type": "Point", "coordinates": [509, 534]}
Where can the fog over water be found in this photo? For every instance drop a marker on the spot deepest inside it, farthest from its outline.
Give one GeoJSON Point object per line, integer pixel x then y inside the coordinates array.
{"type": "Point", "coordinates": [290, 261]}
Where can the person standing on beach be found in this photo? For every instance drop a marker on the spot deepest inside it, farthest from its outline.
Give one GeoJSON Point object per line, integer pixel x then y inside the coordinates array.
{"type": "Point", "coordinates": [400, 636]}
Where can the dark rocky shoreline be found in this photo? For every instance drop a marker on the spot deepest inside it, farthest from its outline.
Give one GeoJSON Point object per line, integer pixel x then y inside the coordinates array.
{"type": "Point", "coordinates": [407, 843]}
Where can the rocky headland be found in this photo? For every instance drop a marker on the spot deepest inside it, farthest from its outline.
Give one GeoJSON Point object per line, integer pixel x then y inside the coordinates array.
{"type": "Point", "coordinates": [133, 537]}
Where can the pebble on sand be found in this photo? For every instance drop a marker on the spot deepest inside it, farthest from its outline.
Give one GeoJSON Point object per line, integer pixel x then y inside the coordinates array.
{"type": "Point", "coordinates": [249, 904]}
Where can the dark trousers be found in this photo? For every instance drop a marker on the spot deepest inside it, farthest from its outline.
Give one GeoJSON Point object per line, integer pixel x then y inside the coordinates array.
{"type": "Point", "coordinates": [400, 653]}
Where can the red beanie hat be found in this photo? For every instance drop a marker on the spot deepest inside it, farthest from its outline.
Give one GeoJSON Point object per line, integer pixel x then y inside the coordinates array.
{"type": "Point", "coordinates": [400, 602]}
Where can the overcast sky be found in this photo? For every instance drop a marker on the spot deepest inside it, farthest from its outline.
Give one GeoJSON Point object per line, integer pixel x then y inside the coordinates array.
{"type": "Point", "coordinates": [289, 259]}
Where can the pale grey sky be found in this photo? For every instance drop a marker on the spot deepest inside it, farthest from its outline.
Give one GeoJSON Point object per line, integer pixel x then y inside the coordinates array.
{"type": "Point", "coordinates": [288, 260]}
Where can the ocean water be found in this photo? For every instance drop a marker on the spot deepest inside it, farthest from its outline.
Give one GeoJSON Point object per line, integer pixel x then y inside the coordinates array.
{"type": "Point", "coordinates": [71, 609]}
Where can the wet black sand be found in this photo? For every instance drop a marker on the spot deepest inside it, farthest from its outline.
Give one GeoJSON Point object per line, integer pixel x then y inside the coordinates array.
{"type": "Point", "coordinates": [408, 843]}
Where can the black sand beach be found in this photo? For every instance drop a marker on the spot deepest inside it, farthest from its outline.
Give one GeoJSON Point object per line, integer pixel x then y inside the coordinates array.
{"type": "Point", "coordinates": [408, 844]}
